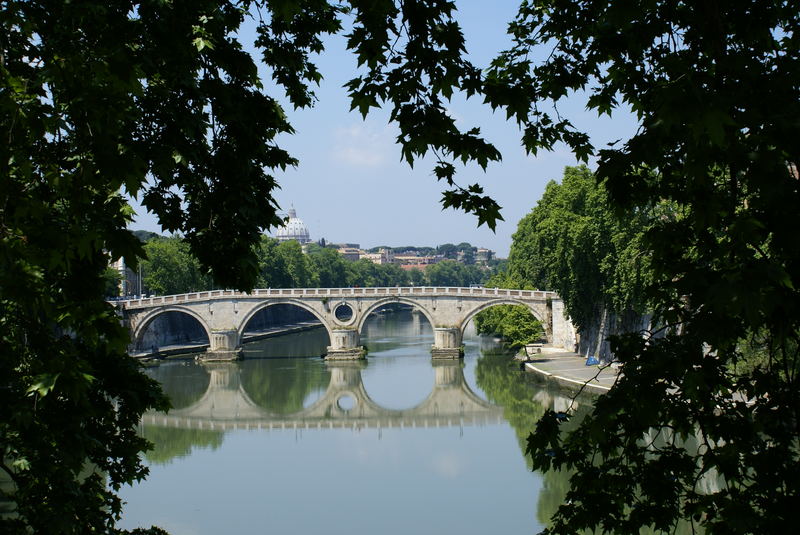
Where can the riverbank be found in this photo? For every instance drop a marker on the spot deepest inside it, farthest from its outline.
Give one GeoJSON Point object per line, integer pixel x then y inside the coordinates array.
{"type": "Point", "coordinates": [569, 369]}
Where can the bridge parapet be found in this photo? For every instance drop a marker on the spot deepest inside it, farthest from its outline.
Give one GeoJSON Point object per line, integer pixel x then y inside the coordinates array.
{"type": "Point", "coordinates": [426, 291]}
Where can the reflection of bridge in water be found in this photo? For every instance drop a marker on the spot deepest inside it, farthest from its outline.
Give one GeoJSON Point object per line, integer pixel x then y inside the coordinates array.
{"type": "Point", "coordinates": [345, 404]}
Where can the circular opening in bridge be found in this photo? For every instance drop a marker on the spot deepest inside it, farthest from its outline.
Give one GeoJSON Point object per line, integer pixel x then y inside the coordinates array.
{"type": "Point", "coordinates": [346, 402]}
{"type": "Point", "coordinates": [344, 312]}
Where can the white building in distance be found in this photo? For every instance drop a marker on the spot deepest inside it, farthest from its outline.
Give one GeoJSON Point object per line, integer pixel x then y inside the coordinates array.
{"type": "Point", "coordinates": [294, 229]}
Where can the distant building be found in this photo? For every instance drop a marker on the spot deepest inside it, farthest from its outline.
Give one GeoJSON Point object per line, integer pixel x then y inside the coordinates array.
{"type": "Point", "coordinates": [409, 262]}
{"type": "Point", "coordinates": [383, 256]}
{"type": "Point", "coordinates": [129, 282]}
{"type": "Point", "coordinates": [294, 229]}
{"type": "Point", "coordinates": [350, 253]}
{"type": "Point", "coordinates": [482, 256]}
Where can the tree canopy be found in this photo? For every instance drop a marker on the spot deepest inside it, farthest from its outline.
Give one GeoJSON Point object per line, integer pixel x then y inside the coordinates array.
{"type": "Point", "coordinates": [160, 100]}
{"type": "Point", "coordinates": [170, 268]}
{"type": "Point", "coordinates": [716, 92]}
{"type": "Point", "coordinates": [572, 242]}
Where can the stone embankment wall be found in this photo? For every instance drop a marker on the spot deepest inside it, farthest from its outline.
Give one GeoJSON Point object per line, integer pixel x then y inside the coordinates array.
{"type": "Point", "coordinates": [593, 340]}
{"type": "Point", "coordinates": [563, 334]}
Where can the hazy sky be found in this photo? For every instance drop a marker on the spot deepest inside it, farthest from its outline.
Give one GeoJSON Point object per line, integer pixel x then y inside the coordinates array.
{"type": "Point", "coordinates": [351, 185]}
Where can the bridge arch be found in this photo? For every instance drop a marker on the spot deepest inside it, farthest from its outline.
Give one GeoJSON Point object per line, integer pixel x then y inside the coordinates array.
{"type": "Point", "coordinates": [537, 314]}
{"type": "Point", "coordinates": [147, 320]}
{"type": "Point", "coordinates": [295, 302]}
{"type": "Point", "coordinates": [391, 300]}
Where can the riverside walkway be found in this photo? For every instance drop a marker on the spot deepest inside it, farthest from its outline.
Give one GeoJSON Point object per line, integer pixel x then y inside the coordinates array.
{"type": "Point", "coordinates": [569, 369]}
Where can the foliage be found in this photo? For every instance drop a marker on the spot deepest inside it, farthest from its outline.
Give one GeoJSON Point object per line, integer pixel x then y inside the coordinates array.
{"type": "Point", "coordinates": [714, 87]}
{"type": "Point", "coordinates": [448, 250]}
{"type": "Point", "coordinates": [111, 280]}
{"type": "Point", "coordinates": [170, 268]}
{"type": "Point", "coordinates": [421, 251]}
{"type": "Point", "coordinates": [416, 277]}
{"type": "Point", "coordinates": [146, 235]}
{"type": "Point", "coordinates": [170, 442]}
{"type": "Point", "coordinates": [498, 375]}
{"type": "Point", "coordinates": [573, 243]}
{"type": "Point", "coordinates": [330, 267]}
{"type": "Point", "coordinates": [365, 273]}
{"type": "Point", "coordinates": [298, 270]}
{"type": "Point", "coordinates": [502, 278]}
{"type": "Point", "coordinates": [160, 99]}
{"type": "Point", "coordinates": [514, 323]}
{"type": "Point", "coordinates": [452, 273]}
{"type": "Point", "coordinates": [280, 386]}
{"type": "Point", "coordinates": [283, 265]}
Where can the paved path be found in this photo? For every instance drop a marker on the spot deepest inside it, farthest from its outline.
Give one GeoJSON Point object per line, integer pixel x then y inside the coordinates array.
{"type": "Point", "coordinates": [570, 370]}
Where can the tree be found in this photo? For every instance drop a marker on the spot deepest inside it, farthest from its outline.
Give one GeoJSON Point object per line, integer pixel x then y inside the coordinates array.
{"type": "Point", "coordinates": [452, 273]}
{"type": "Point", "coordinates": [571, 242]}
{"type": "Point", "coordinates": [514, 323]}
{"type": "Point", "coordinates": [365, 273]}
{"type": "Point", "coordinates": [331, 267]}
{"type": "Point", "coordinates": [416, 277]}
{"type": "Point", "coordinates": [170, 268]}
{"type": "Point", "coordinates": [111, 285]}
{"type": "Point", "coordinates": [299, 271]}
{"type": "Point", "coordinates": [714, 87]}
{"type": "Point", "coordinates": [160, 99]}
{"type": "Point", "coordinates": [448, 250]}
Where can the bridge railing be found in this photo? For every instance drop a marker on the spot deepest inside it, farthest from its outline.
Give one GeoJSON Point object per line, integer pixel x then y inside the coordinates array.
{"type": "Point", "coordinates": [424, 291]}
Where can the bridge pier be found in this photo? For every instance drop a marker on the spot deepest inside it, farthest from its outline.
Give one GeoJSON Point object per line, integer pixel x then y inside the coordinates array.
{"type": "Point", "coordinates": [223, 345]}
{"type": "Point", "coordinates": [344, 345]}
{"type": "Point", "coordinates": [448, 373]}
{"type": "Point", "coordinates": [447, 343]}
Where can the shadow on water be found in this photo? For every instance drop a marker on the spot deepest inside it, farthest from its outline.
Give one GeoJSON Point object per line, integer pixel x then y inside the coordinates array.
{"type": "Point", "coordinates": [310, 343]}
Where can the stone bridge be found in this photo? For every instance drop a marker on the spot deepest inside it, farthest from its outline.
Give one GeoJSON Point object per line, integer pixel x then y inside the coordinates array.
{"type": "Point", "coordinates": [345, 404]}
{"type": "Point", "coordinates": [224, 314]}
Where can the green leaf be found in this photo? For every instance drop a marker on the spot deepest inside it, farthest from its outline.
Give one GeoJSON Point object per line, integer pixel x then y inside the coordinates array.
{"type": "Point", "coordinates": [43, 384]}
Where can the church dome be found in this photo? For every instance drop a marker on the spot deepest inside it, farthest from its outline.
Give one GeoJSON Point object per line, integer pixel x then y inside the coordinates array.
{"type": "Point", "coordinates": [294, 229]}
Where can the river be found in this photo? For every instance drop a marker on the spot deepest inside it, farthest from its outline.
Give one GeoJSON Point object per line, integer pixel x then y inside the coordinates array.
{"type": "Point", "coordinates": [285, 442]}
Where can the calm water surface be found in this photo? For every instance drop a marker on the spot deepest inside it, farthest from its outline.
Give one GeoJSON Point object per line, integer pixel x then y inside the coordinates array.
{"type": "Point", "coordinates": [283, 443]}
